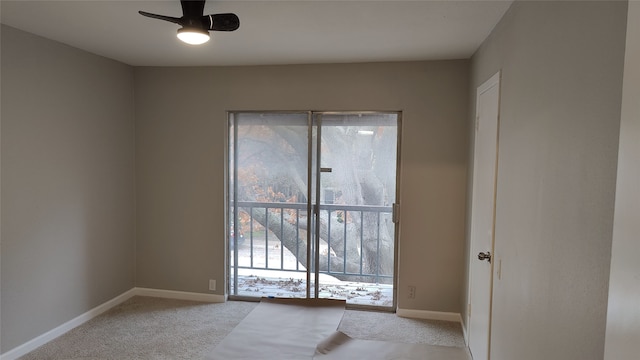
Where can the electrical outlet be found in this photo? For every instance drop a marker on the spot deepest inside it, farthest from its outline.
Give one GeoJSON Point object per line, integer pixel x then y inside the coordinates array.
{"type": "Point", "coordinates": [212, 285]}
{"type": "Point", "coordinates": [412, 292]}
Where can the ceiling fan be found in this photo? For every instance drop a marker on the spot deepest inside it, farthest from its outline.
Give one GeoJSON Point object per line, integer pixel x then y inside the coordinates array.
{"type": "Point", "coordinates": [196, 25]}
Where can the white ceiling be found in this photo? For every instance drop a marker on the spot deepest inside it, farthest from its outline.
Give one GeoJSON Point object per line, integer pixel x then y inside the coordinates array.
{"type": "Point", "coordinates": [271, 32]}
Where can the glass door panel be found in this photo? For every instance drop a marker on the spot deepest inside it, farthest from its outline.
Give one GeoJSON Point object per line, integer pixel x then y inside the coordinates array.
{"type": "Point", "coordinates": [358, 154]}
{"type": "Point", "coordinates": [268, 207]}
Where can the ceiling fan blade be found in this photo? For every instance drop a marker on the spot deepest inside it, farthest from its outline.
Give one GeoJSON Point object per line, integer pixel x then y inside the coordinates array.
{"type": "Point", "coordinates": [221, 22]}
{"type": "Point", "coordinates": [161, 17]}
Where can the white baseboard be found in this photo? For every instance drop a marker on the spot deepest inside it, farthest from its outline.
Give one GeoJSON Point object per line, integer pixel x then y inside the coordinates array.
{"type": "Point", "coordinates": [35, 343]}
{"type": "Point", "coordinates": [180, 295]}
{"type": "Point", "coordinates": [429, 315]}
{"type": "Point", "coordinates": [60, 330]}
{"type": "Point", "coordinates": [464, 332]}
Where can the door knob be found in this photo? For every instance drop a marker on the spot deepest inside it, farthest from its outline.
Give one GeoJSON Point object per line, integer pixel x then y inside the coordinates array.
{"type": "Point", "coordinates": [484, 256]}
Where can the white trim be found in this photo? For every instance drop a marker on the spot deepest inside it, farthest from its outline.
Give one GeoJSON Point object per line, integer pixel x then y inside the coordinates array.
{"type": "Point", "coordinates": [491, 82]}
{"type": "Point", "coordinates": [180, 295]}
{"type": "Point", "coordinates": [465, 334]}
{"type": "Point", "coordinates": [35, 343]}
{"type": "Point", "coordinates": [60, 330]}
{"type": "Point", "coordinates": [429, 315]}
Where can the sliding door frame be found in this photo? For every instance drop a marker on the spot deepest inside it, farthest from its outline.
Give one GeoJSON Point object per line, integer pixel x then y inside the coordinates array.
{"type": "Point", "coordinates": [314, 120]}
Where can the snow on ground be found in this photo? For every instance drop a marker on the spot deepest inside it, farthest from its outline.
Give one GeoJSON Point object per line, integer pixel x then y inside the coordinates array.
{"type": "Point", "coordinates": [285, 277]}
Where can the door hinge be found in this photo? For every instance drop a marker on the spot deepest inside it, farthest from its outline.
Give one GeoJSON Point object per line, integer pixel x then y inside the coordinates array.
{"type": "Point", "coordinates": [469, 310]}
{"type": "Point", "coordinates": [395, 213]}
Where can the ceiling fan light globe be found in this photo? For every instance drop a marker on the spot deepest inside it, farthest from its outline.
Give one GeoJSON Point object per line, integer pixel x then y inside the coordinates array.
{"type": "Point", "coordinates": [193, 36]}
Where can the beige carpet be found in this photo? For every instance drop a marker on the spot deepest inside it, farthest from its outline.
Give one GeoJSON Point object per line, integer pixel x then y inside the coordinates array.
{"type": "Point", "coordinates": [152, 328]}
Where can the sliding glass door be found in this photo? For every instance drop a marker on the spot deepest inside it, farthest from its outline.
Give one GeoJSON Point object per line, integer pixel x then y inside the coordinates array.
{"type": "Point", "coordinates": [311, 198]}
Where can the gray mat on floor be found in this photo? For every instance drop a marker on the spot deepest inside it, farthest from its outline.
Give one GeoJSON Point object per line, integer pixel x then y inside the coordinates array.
{"type": "Point", "coordinates": [297, 329]}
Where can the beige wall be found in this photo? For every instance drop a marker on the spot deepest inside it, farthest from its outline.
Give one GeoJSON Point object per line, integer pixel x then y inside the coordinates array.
{"type": "Point", "coordinates": [67, 176]}
{"type": "Point", "coordinates": [68, 172]}
{"type": "Point", "coordinates": [67, 184]}
{"type": "Point", "coordinates": [623, 317]}
{"type": "Point", "coordinates": [561, 68]}
{"type": "Point", "coordinates": [180, 142]}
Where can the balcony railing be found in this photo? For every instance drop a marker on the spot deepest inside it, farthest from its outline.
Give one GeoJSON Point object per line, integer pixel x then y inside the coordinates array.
{"type": "Point", "coordinates": [270, 219]}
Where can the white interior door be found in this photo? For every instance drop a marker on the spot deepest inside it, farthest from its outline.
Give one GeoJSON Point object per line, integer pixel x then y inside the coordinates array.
{"type": "Point", "coordinates": [483, 217]}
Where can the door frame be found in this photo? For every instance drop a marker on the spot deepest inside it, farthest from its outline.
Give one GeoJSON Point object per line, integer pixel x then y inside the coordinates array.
{"type": "Point", "coordinates": [313, 186]}
{"type": "Point", "coordinates": [489, 84]}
